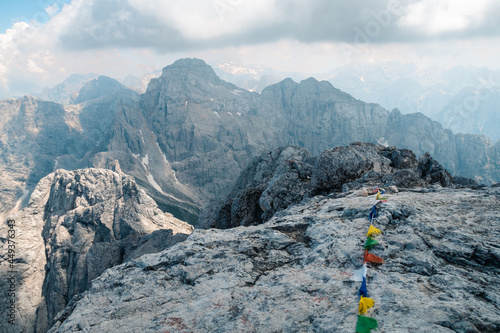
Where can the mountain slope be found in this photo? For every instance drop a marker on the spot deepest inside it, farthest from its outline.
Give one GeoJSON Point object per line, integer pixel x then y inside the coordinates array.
{"type": "Point", "coordinates": [474, 111]}
{"type": "Point", "coordinates": [187, 138]}
{"type": "Point", "coordinates": [463, 99]}
{"type": "Point", "coordinates": [77, 224]}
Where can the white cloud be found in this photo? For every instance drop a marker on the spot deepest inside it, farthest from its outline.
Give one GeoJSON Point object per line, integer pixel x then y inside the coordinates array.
{"type": "Point", "coordinates": [52, 10]}
{"type": "Point", "coordinates": [198, 20]}
{"type": "Point", "coordinates": [118, 37]}
{"type": "Point", "coordinates": [435, 17]}
{"type": "Point", "coordinates": [34, 68]}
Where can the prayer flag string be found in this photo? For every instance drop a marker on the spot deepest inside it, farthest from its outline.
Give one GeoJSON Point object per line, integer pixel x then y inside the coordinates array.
{"type": "Point", "coordinates": [366, 324]}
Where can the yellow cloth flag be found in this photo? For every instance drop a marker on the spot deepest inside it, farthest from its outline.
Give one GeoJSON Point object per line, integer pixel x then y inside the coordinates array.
{"type": "Point", "coordinates": [373, 231]}
{"type": "Point", "coordinates": [364, 304]}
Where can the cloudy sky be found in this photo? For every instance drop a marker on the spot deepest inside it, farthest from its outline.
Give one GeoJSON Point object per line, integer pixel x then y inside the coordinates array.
{"type": "Point", "coordinates": [42, 42]}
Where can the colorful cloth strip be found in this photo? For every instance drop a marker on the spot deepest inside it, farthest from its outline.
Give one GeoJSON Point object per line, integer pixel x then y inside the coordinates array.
{"type": "Point", "coordinates": [367, 324]}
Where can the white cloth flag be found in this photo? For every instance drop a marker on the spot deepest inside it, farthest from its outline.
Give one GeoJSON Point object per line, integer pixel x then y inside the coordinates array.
{"type": "Point", "coordinates": [359, 274]}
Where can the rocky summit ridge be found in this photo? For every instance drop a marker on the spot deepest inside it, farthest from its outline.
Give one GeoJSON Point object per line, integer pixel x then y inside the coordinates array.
{"type": "Point", "coordinates": [292, 273]}
{"type": "Point", "coordinates": [188, 137]}
{"type": "Point", "coordinates": [287, 175]}
{"type": "Point", "coordinates": [97, 254]}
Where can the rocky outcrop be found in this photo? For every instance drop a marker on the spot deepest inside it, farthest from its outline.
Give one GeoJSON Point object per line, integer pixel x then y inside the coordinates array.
{"type": "Point", "coordinates": [342, 165]}
{"type": "Point", "coordinates": [78, 224]}
{"type": "Point", "coordinates": [287, 175]}
{"type": "Point", "coordinates": [271, 182]}
{"type": "Point", "coordinates": [291, 274]}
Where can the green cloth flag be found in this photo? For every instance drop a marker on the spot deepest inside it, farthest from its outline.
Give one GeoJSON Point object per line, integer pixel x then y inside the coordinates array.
{"type": "Point", "coordinates": [366, 324]}
{"type": "Point", "coordinates": [370, 242]}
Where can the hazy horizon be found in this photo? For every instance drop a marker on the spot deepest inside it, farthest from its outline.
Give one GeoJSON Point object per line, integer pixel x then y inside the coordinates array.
{"type": "Point", "coordinates": [44, 42]}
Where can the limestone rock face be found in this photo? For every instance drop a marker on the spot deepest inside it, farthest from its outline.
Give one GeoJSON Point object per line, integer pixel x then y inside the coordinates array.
{"type": "Point", "coordinates": [271, 182]}
{"type": "Point", "coordinates": [33, 135]}
{"type": "Point", "coordinates": [335, 167]}
{"type": "Point", "coordinates": [285, 176]}
{"type": "Point", "coordinates": [208, 128]}
{"type": "Point", "coordinates": [78, 224]}
{"type": "Point", "coordinates": [189, 136]}
{"type": "Point", "coordinates": [29, 265]}
{"type": "Point", "coordinates": [478, 152]}
{"type": "Point", "coordinates": [292, 274]}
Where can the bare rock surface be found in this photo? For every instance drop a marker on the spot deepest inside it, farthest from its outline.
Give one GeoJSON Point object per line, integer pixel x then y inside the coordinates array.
{"type": "Point", "coordinates": [78, 224]}
{"type": "Point", "coordinates": [271, 182]}
{"type": "Point", "coordinates": [287, 175]}
{"type": "Point", "coordinates": [291, 274]}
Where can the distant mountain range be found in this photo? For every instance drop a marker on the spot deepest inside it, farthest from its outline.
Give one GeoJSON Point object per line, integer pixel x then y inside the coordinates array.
{"type": "Point", "coordinates": [66, 91]}
{"type": "Point", "coordinates": [463, 99]}
{"type": "Point", "coordinates": [187, 138]}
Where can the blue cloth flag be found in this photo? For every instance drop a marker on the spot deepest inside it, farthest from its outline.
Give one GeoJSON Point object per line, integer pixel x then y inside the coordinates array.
{"type": "Point", "coordinates": [373, 213]}
{"type": "Point", "coordinates": [362, 290]}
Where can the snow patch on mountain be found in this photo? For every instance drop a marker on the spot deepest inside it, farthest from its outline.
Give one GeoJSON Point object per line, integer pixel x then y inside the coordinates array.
{"type": "Point", "coordinates": [145, 161]}
{"type": "Point", "coordinates": [153, 183]}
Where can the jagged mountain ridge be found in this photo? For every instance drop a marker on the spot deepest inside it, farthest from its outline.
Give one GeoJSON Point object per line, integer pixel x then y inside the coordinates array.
{"type": "Point", "coordinates": [190, 134]}
{"type": "Point", "coordinates": [463, 99]}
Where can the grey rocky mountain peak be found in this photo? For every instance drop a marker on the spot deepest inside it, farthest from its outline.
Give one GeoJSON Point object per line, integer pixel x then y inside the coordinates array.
{"type": "Point", "coordinates": [100, 87]}
{"type": "Point", "coordinates": [187, 138]}
{"type": "Point", "coordinates": [66, 92]}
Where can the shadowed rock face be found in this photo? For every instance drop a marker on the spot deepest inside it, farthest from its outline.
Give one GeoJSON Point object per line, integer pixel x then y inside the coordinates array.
{"type": "Point", "coordinates": [285, 176]}
{"type": "Point", "coordinates": [441, 271]}
{"type": "Point", "coordinates": [78, 224]}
